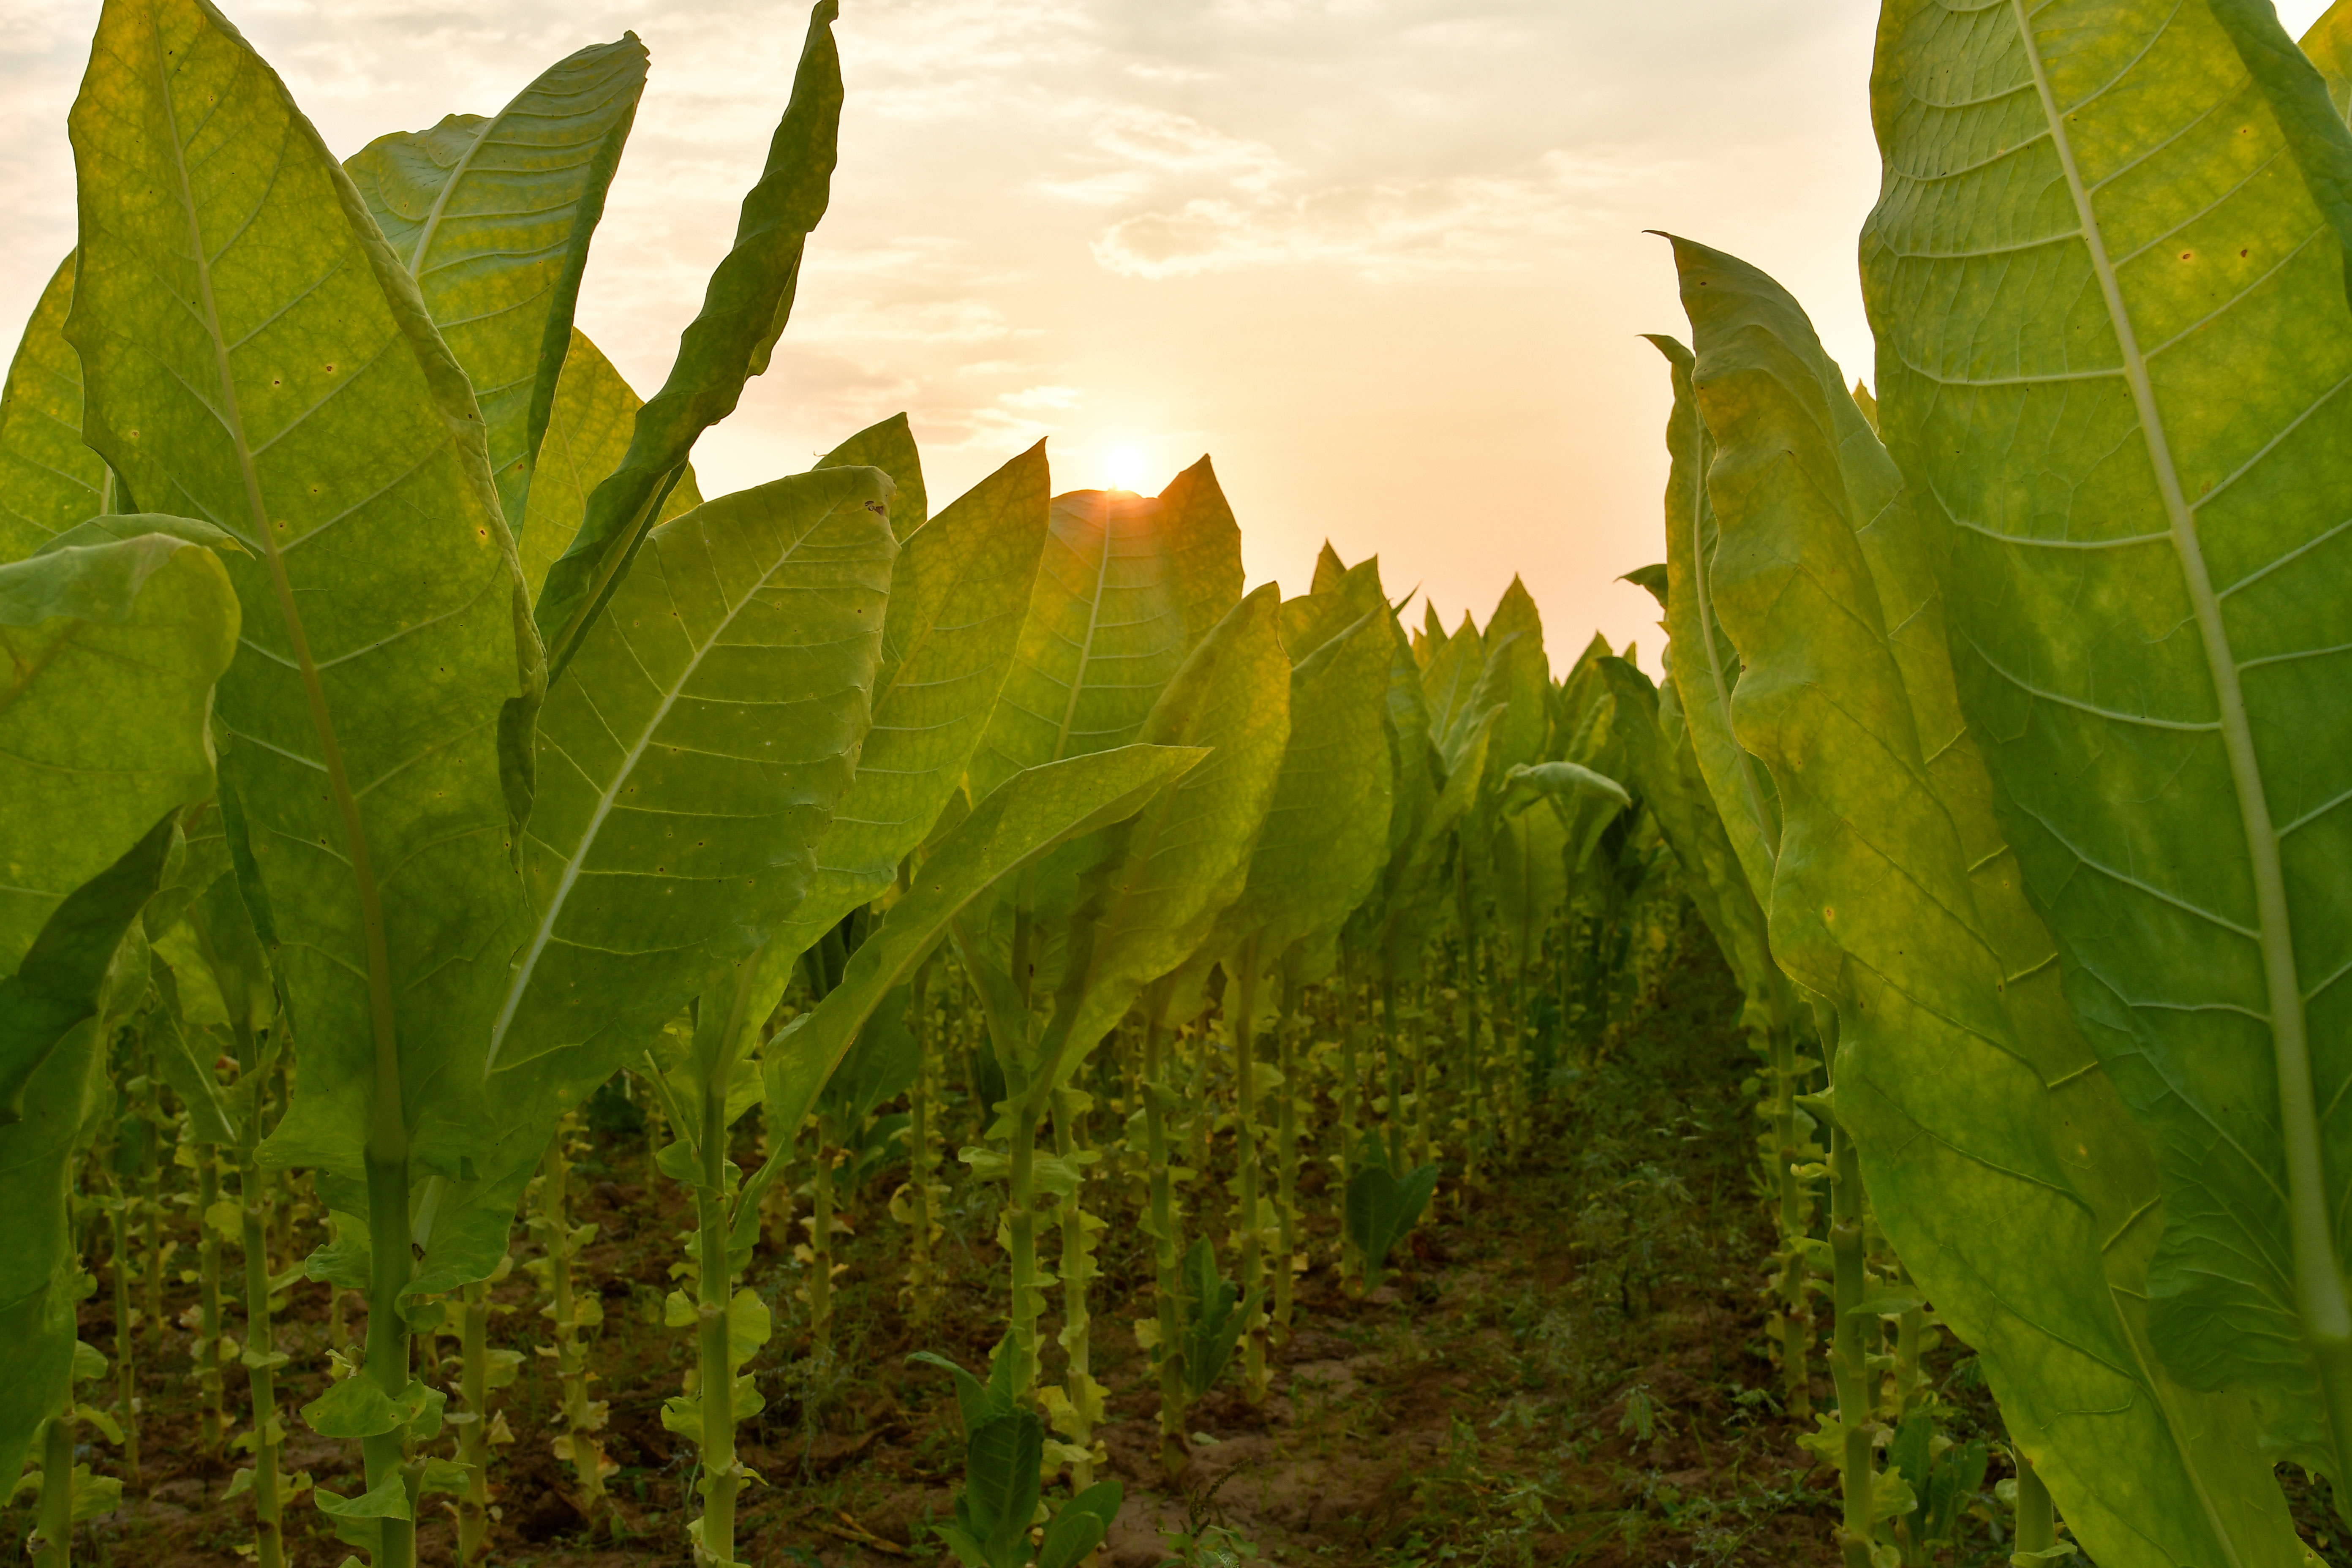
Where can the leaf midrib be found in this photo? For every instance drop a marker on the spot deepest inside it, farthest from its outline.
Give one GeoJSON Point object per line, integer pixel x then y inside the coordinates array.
{"type": "Point", "coordinates": [556, 903]}
{"type": "Point", "coordinates": [1087, 648]}
{"type": "Point", "coordinates": [2319, 1286]}
{"type": "Point", "coordinates": [387, 1134]}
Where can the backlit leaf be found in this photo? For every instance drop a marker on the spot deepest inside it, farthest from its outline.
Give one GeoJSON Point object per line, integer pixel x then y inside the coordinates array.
{"type": "Point", "coordinates": [256, 357]}
{"type": "Point", "coordinates": [1999, 1159]}
{"type": "Point", "coordinates": [493, 217]}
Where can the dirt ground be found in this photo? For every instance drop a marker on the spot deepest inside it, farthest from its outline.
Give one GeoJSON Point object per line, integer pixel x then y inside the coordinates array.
{"type": "Point", "coordinates": [1570, 1369]}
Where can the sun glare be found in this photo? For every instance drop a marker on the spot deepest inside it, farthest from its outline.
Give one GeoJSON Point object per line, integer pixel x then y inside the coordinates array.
{"type": "Point", "coordinates": [1123, 469]}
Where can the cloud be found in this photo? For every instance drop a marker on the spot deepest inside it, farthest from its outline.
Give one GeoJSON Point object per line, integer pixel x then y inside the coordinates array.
{"type": "Point", "coordinates": [1462, 223]}
{"type": "Point", "coordinates": [1058, 399]}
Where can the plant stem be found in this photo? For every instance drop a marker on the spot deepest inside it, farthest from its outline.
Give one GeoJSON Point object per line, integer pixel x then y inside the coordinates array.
{"type": "Point", "coordinates": [1351, 1265]}
{"type": "Point", "coordinates": [261, 1379]}
{"type": "Point", "coordinates": [1243, 1026]}
{"type": "Point", "coordinates": [580, 1416]}
{"type": "Point", "coordinates": [650, 1103]}
{"type": "Point", "coordinates": [1021, 1222]}
{"type": "Point", "coordinates": [1285, 1152]}
{"type": "Point", "coordinates": [474, 1436]}
{"type": "Point", "coordinates": [1796, 1219]}
{"type": "Point", "coordinates": [391, 1264]}
{"type": "Point", "coordinates": [126, 1398]}
{"type": "Point", "coordinates": [56, 1493]}
{"type": "Point", "coordinates": [214, 1421]}
{"type": "Point", "coordinates": [1077, 1268]}
{"type": "Point", "coordinates": [2037, 1521]}
{"type": "Point", "coordinates": [1849, 1357]}
{"type": "Point", "coordinates": [1204, 1120]}
{"type": "Point", "coordinates": [1518, 1061]}
{"type": "Point", "coordinates": [820, 1279]}
{"type": "Point", "coordinates": [922, 1291]}
{"type": "Point", "coordinates": [1391, 1038]}
{"type": "Point", "coordinates": [720, 1480]}
{"type": "Point", "coordinates": [151, 1111]}
{"type": "Point", "coordinates": [1467, 983]}
{"type": "Point", "coordinates": [1165, 1224]}
{"type": "Point", "coordinates": [1422, 1138]}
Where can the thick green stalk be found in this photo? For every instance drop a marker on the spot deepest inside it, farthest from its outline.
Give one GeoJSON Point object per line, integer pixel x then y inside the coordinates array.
{"type": "Point", "coordinates": [261, 1380]}
{"type": "Point", "coordinates": [1245, 1162]}
{"type": "Point", "coordinates": [391, 1264]}
{"type": "Point", "coordinates": [720, 1480]}
{"type": "Point", "coordinates": [1077, 1269]}
{"type": "Point", "coordinates": [722, 1474]}
{"type": "Point", "coordinates": [1796, 1221]}
{"type": "Point", "coordinates": [1848, 1355]}
{"type": "Point", "coordinates": [57, 1493]}
{"type": "Point", "coordinates": [2037, 1521]}
{"type": "Point", "coordinates": [126, 1384]}
{"type": "Point", "coordinates": [1285, 1157]}
{"type": "Point", "coordinates": [474, 1434]}
{"type": "Point", "coordinates": [1167, 1221]}
{"type": "Point", "coordinates": [213, 1419]}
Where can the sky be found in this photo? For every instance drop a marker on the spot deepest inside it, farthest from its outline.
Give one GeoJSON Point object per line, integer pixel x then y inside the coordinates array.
{"type": "Point", "coordinates": [1385, 260]}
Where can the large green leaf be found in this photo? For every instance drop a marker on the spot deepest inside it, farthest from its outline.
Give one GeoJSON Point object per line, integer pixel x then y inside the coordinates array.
{"type": "Point", "coordinates": [2329, 43]}
{"type": "Point", "coordinates": [2128, 401]}
{"type": "Point", "coordinates": [690, 757]}
{"type": "Point", "coordinates": [1340, 599]}
{"type": "Point", "coordinates": [1159, 882]}
{"type": "Point", "coordinates": [744, 307]}
{"type": "Point", "coordinates": [1325, 838]}
{"type": "Point", "coordinates": [1330, 571]}
{"type": "Point", "coordinates": [1128, 585]}
{"type": "Point", "coordinates": [1414, 765]}
{"type": "Point", "coordinates": [1516, 681]}
{"type": "Point", "coordinates": [38, 1148]}
{"type": "Point", "coordinates": [587, 435]}
{"type": "Point", "coordinates": [1448, 681]}
{"type": "Point", "coordinates": [890, 447]}
{"type": "Point", "coordinates": [1705, 666]}
{"type": "Point", "coordinates": [1020, 820]}
{"type": "Point", "coordinates": [48, 479]}
{"type": "Point", "coordinates": [1999, 1159]}
{"type": "Point", "coordinates": [111, 652]}
{"type": "Point", "coordinates": [492, 217]}
{"type": "Point", "coordinates": [256, 356]}
{"type": "Point", "coordinates": [957, 596]}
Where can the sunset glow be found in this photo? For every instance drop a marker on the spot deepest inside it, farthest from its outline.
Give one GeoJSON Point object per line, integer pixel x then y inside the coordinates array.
{"type": "Point", "coordinates": [1123, 469]}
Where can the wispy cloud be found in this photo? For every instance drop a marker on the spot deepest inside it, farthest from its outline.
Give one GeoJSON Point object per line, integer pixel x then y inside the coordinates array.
{"type": "Point", "coordinates": [1465, 222]}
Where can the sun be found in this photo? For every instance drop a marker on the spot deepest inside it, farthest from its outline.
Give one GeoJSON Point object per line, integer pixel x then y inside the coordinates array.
{"type": "Point", "coordinates": [1123, 469]}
